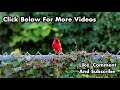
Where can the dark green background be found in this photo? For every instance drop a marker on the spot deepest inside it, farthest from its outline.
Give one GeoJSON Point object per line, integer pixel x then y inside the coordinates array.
{"type": "Point", "coordinates": [102, 35]}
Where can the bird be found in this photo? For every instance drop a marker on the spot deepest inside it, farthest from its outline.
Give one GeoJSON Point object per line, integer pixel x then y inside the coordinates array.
{"type": "Point", "coordinates": [56, 46]}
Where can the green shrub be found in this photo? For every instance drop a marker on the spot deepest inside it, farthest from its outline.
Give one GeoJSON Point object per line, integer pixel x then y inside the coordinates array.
{"type": "Point", "coordinates": [102, 35]}
{"type": "Point", "coordinates": [66, 67]}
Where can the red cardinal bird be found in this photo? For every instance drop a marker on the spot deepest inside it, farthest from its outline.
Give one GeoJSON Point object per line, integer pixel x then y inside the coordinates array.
{"type": "Point", "coordinates": [56, 45]}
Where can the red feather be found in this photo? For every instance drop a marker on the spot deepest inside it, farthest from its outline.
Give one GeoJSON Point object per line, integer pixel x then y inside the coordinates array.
{"type": "Point", "coordinates": [56, 45]}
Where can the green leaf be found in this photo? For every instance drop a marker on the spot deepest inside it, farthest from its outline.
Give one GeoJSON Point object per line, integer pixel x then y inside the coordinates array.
{"type": "Point", "coordinates": [8, 72]}
{"type": "Point", "coordinates": [15, 63]}
{"type": "Point", "coordinates": [56, 34]}
{"type": "Point", "coordinates": [9, 62]}
{"type": "Point", "coordinates": [92, 76]}
{"type": "Point", "coordinates": [21, 74]}
{"type": "Point", "coordinates": [72, 71]}
{"type": "Point", "coordinates": [105, 61]}
{"type": "Point", "coordinates": [51, 74]}
{"type": "Point", "coordinates": [30, 71]}
{"type": "Point", "coordinates": [78, 76]}
{"type": "Point", "coordinates": [37, 32]}
{"type": "Point", "coordinates": [34, 38]}
{"type": "Point", "coordinates": [118, 71]}
{"type": "Point", "coordinates": [55, 29]}
{"type": "Point", "coordinates": [15, 27]}
{"type": "Point", "coordinates": [20, 60]}
{"type": "Point", "coordinates": [8, 67]}
{"type": "Point", "coordinates": [115, 68]}
{"type": "Point", "coordinates": [48, 70]}
{"type": "Point", "coordinates": [45, 33]}
{"type": "Point", "coordinates": [17, 69]}
{"type": "Point", "coordinates": [2, 14]}
{"type": "Point", "coordinates": [85, 75]}
{"type": "Point", "coordinates": [15, 39]}
{"type": "Point", "coordinates": [28, 26]}
{"type": "Point", "coordinates": [73, 57]}
{"type": "Point", "coordinates": [112, 60]}
{"type": "Point", "coordinates": [3, 64]}
{"type": "Point", "coordinates": [0, 72]}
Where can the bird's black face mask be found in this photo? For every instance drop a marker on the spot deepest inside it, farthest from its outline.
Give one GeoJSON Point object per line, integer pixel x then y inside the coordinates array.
{"type": "Point", "coordinates": [57, 41]}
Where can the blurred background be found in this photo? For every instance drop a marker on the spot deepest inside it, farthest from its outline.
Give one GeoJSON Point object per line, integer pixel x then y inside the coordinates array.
{"type": "Point", "coordinates": [102, 35]}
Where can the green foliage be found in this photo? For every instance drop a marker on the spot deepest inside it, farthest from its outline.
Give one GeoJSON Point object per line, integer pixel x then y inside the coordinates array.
{"type": "Point", "coordinates": [103, 34]}
{"type": "Point", "coordinates": [68, 67]}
